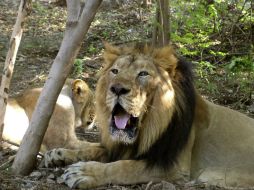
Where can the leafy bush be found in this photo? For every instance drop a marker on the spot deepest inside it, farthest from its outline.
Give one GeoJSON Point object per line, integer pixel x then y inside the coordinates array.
{"type": "Point", "coordinates": [245, 63]}
{"type": "Point", "coordinates": [212, 30]}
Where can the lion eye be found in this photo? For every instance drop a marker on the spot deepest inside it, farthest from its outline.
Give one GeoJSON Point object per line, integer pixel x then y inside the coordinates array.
{"type": "Point", "coordinates": [115, 71]}
{"type": "Point", "coordinates": [143, 73]}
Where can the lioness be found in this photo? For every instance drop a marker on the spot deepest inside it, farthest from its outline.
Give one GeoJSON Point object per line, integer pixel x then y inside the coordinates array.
{"type": "Point", "coordinates": [155, 126]}
{"type": "Point", "coordinates": [71, 111]}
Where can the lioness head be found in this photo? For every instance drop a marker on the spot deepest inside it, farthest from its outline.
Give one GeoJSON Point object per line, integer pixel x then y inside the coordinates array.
{"type": "Point", "coordinates": [82, 98]}
{"type": "Point", "coordinates": [135, 93]}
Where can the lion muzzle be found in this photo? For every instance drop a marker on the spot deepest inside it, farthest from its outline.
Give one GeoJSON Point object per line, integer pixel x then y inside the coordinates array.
{"type": "Point", "coordinates": [123, 126]}
{"type": "Point", "coordinates": [119, 90]}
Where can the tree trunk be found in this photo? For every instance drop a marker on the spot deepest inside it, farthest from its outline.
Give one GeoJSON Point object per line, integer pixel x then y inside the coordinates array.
{"type": "Point", "coordinates": [161, 32]}
{"type": "Point", "coordinates": [79, 19]}
{"type": "Point", "coordinates": [23, 11]}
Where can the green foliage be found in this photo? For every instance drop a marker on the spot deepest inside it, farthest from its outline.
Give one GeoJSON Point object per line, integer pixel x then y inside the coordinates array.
{"type": "Point", "coordinates": [204, 68]}
{"type": "Point", "coordinates": [38, 7]}
{"type": "Point", "coordinates": [211, 29]}
{"type": "Point", "coordinates": [92, 49]}
{"type": "Point", "coordinates": [206, 84]}
{"type": "Point", "coordinates": [192, 25]}
{"type": "Point", "coordinates": [244, 63]}
{"type": "Point", "coordinates": [78, 67]}
{"type": "Point", "coordinates": [216, 36]}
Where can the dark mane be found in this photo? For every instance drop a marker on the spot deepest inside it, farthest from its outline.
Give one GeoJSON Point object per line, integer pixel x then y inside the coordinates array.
{"type": "Point", "coordinates": [164, 151]}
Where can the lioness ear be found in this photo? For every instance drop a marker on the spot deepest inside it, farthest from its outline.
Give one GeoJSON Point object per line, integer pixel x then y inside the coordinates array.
{"type": "Point", "coordinates": [79, 89]}
{"type": "Point", "coordinates": [111, 52]}
{"type": "Point", "coordinates": [165, 58]}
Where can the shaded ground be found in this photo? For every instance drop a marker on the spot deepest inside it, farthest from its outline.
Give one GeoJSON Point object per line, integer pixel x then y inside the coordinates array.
{"type": "Point", "coordinates": [40, 43]}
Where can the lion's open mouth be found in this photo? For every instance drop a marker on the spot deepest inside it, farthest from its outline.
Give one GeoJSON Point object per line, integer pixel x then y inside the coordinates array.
{"type": "Point", "coordinates": [123, 125]}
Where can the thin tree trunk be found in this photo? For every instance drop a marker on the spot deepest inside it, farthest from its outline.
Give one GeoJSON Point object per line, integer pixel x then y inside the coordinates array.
{"type": "Point", "coordinates": [161, 32]}
{"type": "Point", "coordinates": [23, 11]}
{"type": "Point", "coordinates": [155, 28]}
{"type": "Point", "coordinates": [164, 20]}
{"type": "Point", "coordinates": [78, 22]}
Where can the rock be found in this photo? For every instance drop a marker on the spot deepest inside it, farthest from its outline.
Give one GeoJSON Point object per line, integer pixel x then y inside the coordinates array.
{"type": "Point", "coordinates": [51, 176]}
{"type": "Point", "coordinates": [36, 174]}
{"type": "Point", "coordinates": [161, 186]}
{"type": "Point", "coordinates": [251, 108]}
{"type": "Point", "coordinates": [50, 181]}
{"type": "Point", "coordinates": [60, 180]}
{"type": "Point", "coordinates": [167, 186]}
{"type": "Point", "coordinates": [43, 173]}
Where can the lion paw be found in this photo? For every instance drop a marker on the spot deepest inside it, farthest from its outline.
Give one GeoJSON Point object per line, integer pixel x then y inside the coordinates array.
{"type": "Point", "coordinates": [55, 157]}
{"type": "Point", "coordinates": [84, 175]}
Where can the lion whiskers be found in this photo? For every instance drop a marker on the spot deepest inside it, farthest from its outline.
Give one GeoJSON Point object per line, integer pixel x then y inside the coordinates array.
{"type": "Point", "coordinates": [110, 101]}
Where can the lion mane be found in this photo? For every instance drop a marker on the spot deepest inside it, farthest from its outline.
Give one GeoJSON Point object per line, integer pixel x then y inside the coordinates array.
{"type": "Point", "coordinates": [155, 126]}
{"type": "Point", "coordinates": [167, 123]}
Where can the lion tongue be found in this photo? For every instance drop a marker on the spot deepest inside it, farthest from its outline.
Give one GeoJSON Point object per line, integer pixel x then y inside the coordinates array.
{"type": "Point", "coordinates": [121, 120]}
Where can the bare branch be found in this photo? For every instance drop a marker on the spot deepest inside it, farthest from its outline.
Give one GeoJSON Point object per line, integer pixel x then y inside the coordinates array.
{"type": "Point", "coordinates": [24, 9]}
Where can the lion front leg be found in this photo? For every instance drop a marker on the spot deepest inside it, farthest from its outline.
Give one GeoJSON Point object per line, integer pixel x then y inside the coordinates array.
{"type": "Point", "coordinates": [86, 175]}
{"type": "Point", "coordinates": [62, 156]}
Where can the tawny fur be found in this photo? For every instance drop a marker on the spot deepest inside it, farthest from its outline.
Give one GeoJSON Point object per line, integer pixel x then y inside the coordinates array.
{"type": "Point", "coordinates": [217, 147]}
{"type": "Point", "coordinates": [71, 110]}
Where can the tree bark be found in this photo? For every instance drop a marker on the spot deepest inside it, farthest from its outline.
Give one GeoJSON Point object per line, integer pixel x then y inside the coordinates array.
{"type": "Point", "coordinates": [79, 19]}
{"type": "Point", "coordinates": [24, 9]}
{"type": "Point", "coordinates": [161, 32]}
{"type": "Point", "coordinates": [156, 27]}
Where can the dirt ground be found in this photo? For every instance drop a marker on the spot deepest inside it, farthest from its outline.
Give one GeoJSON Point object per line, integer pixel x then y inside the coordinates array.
{"type": "Point", "coordinates": [40, 43]}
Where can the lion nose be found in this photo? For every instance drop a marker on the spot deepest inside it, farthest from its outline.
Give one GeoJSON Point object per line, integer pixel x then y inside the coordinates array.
{"type": "Point", "coordinates": [119, 90]}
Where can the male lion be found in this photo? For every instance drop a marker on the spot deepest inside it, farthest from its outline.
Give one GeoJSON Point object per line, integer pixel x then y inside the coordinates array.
{"type": "Point", "coordinates": [71, 110]}
{"type": "Point", "coordinates": [155, 126]}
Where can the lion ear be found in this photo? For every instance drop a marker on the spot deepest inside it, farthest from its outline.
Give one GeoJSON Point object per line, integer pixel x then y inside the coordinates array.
{"type": "Point", "coordinates": [165, 58]}
{"type": "Point", "coordinates": [79, 89]}
{"type": "Point", "coordinates": [111, 52]}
